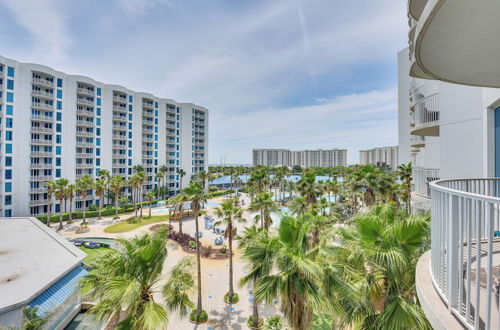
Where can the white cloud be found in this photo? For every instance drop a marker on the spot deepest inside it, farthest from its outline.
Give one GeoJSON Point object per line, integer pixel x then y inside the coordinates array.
{"type": "Point", "coordinates": [137, 8]}
{"type": "Point", "coordinates": [46, 22]}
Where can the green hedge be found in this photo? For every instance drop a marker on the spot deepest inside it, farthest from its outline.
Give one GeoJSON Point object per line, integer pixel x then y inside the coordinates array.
{"type": "Point", "coordinates": [88, 214]}
{"type": "Point", "coordinates": [219, 193]}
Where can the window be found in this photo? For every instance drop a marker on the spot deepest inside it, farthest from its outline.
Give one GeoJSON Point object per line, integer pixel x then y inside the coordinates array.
{"type": "Point", "coordinates": [10, 84]}
{"type": "Point", "coordinates": [10, 97]}
{"type": "Point", "coordinates": [58, 138]}
{"type": "Point", "coordinates": [59, 105]}
{"type": "Point", "coordinates": [58, 161]}
{"type": "Point", "coordinates": [98, 141]}
{"type": "Point", "coordinates": [59, 83]}
{"type": "Point", "coordinates": [8, 148]}
{"type": "Point", "coordinates": [130, 99]}
{"type": "Point", "coordinates": [8, 161]}
{"type": "Point", "coordinates": [8, 187]}
{"type": "Point", "coordinates": [59, 116]}
{"type": "Point", "coordinates": [98, 162]}
{"type": "Point", "coordinates": [98, 111]}
{"type": "Point", "coordinates": [8, 213]}
{"type": "Point", "coordinates": [58, 150]}
{"type": "Point", "coordinates": [8, 135]}
{"type": "Point", "coordinates": [59, 94]}
{"type": "Point", "coordinates": [8, 122]}
{"type": "Point", "coordinates": [58, 172]}
{"type": "Point", "coordinates": [130, 116]}
{"type": "Point", "coordinates": [98, 92]}
{"type": "Point", "coordinates": [98, 121]}
{"type": "Point", "coordinates": [59, 128]}
{"type": "Point", "coordinates": [10, 71]}
{"type": "Point", "coordinates": [8, 174]}
{"type": "Point", "coordinates": [99, 101]}
{"type": "Point", "coordinates": [156, 104]}
{"type": "Point", "coordinates": [97, 151]}
{"type": "Point", "coordinates": [98, 131]}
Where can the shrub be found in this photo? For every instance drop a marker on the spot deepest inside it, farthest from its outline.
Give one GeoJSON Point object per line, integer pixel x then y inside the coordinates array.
{"type": "Point", "coordinates": [203, 317]}
{"type": "Point", "coordinates": [251, 324]}
{"type": "Point", "coordinates": [192, 244]}
{"type": "Point", "coordinates": [234, 300]}
{"type": "Point", "coordinates": [274, 322]}
{"type": "Point", "coordinates": [161, 226]}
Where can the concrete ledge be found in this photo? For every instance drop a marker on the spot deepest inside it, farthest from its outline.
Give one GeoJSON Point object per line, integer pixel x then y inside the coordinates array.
{"type": "Point", "coordinates": [434, 307]}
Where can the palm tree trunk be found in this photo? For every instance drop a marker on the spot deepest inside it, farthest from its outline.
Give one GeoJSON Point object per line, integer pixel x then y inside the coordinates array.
{"type": "Point", "coordinates": [262, 218]}
{"type": "Point", "coordinates": [198, 262]}
{"type": "Point", "coordinates": [48, 210]}
{"type": "Point", "coordinates": [134, 197]}
{"type": "Point", "coordinates": [116, 205]}
{"type": "Point", "coordinates": [84, 209]}
{"type": "Point", "coordinates": [231, 288]}
{"type": "Point", "coordinates": [255, 308]}
{"type": "Point", "coordinates": [60, 215]}
{"type": "Point", "coordinates": [180, 219]}
{"type": "Point", "coordinates": [70, 209]}
{"type": "Point", "coordinates": [140, 196]}
{"type": "Point", "coordinates": [101, 201]}
{"type": "Point", "coordinates": [150, 205]}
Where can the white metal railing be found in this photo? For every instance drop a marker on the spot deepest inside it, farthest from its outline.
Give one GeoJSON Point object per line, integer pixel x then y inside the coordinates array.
{"type": "Point", "coordinates": [465, 255]}
{"type": "Point", "coordinates": [43, 82]}
{"type": "Point", "coordinates": [422, 177]}
{"type": "Point", "coordinates": [37, 92]}
{"type": "Point", "coordinates": [84, 101]}
{"type": "Point", "coordinates": [41, 117]}
{"type": "Point", "coordinates": [84, 133]}
{"type": "Point", "coordinates": [39, 129]}
{"type": "Point", "coordinates": [120, 127]}
{"type": "Point", "coordinates": [427, 110]}
{"type": "Point", "coordinates": [120, 109]}
{"type": "Point", "coordinates": [120, 99]}
{"type": "Point", "coordinates": [85, 91]}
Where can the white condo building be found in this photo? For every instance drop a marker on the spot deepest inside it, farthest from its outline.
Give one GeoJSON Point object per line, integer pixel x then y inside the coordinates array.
{"type": "Point", "coordinates": [304, 158]}
{"type": "Point", "coordinates": [380, 156]}
{"type": "Point", "coordinates": [56, 125]}
{"type": "Point", "coordinates": [450, 131]}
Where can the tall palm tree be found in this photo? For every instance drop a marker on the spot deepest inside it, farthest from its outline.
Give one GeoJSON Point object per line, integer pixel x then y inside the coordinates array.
{"type": "Point", "coordinates": [150, 196]}
{"type": "Point", "coordinates": [230, 213]}
{"type": "Point", "coordinates": [133, 182]}
{"type": "Point", "coordinates": [195, 194]}
{"type": "Point", "coordinates": [104, 175]}
{"type": "Point", "coordinates": [50, 191]}
{"type": "Point", "coordinates": [383, 247]}
{"type": "Point", "coordinates": [141, 177]}
{"type": "Point", "coordinates": [251, 237]}
{"type": "Point", "coordinates": [300, 275]}
{"type": "Point", "coordinates": [116, 184]}
{"type": "Point", "coordinates": [83, 185]}
{"type": "Point", "coordinates": [159, 177]}
{"type": "Point", "coordinates": [177, 204]}
{"type": "Point", "coordinates": [265, 204]}
{"type": "Point", "coordinates": [405, 172]}
{"type": "Point", "coordinates": [125, 282]}
{"type": "Point", "coordinates": [100, 188]}
{"type": "Point", "coordinates": [70, 195]}
{"type": "Point", "coordinates": [299, 206]}
{"type": "Point", "coordinates": [308, 188]}
{"type": "Point", "coordinates": [181, 173]}
{"type": "Point", "coordinates": [60, 187]}
{"type": "Point", "coordinates": [203, 177]}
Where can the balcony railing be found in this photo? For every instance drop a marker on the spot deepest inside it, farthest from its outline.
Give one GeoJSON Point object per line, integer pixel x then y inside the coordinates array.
{"type": "Point", "coordinates": [426, 115]}
{"type": "Point", "coordinates": [42, 94]}
{"type": "Point", "coordinates": [43, 82]}
{"type": "Point", "coordinates": [465, 250]}
{"type": "Point", "coordinates": [84, 101]}
{"type": "Point", "coordinates": [39, 129]}
{"type": "Point", "coordinates": [422, 178]}
{"type": "Point", "coordinates": [41, 117]}
{"type": "Point", "coordinates": [85, 91]}
{"type": "Point", "coordinates": [119, 109]}
{"type": "Point", "coordinates": [120, 99]}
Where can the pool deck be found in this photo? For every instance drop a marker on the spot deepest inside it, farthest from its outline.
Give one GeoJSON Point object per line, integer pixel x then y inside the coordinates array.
{"type": "Point", "coordinates": [215, 274]}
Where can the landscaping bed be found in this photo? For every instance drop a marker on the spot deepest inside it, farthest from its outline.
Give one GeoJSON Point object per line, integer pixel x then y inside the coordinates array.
{"type": "Point", "coordinates": [129, 225]}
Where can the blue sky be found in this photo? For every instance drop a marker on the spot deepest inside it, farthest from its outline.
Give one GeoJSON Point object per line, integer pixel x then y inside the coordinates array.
{"type": "Point", "coordinates": [274, 73]}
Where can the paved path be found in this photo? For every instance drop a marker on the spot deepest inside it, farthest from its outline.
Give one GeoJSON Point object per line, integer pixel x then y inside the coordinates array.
{"type": "Point", "coordinates": [215, 273]}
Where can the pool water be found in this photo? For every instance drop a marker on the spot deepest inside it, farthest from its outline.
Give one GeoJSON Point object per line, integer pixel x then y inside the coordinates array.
{"type": "Point", "coordinates": [84, 321]}
{"type": "Point", "coordinates": [166, 209]}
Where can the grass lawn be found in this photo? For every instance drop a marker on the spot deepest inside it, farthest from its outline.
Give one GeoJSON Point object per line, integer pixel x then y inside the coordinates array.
{"type": "Point", "coordinates": [93, 254]}
{"type": "Point", "coordinates": [124, 226]}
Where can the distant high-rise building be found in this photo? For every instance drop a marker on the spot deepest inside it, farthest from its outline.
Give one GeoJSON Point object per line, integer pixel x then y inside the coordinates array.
{"type": "Point", "coordinates": [380, 156]}
{"type": "Point", "coordinates": [304, 158]}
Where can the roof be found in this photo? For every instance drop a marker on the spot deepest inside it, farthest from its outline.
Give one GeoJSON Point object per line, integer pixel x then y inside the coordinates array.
{"type": "Point", "coordinates": [57, 293]}
{"type": "Point", "coordinates": [33, 257]}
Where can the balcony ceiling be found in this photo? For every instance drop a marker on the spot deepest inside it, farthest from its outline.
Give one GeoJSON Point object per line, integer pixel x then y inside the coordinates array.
{"type": "Point", "coordinates": [415, 7]}
{"type": "Point", "coordinates": [457, 41]}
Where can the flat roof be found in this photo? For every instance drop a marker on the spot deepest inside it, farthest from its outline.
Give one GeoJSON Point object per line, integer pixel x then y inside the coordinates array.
{"type": "Point", "coordinates": [32, 258]}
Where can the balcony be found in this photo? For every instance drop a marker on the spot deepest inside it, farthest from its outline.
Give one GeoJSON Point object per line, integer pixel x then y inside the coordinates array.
{"type": "Point", "coordinates": [120, 127]}
{"type": "Point", "coordinates": [120, 156]}
{"type": "Point", "coordinates": [39, 129]}
{"type": "Point", "coordinates": [38, 190]}
{"type": "Point", "coordinates": [422, 177]}
{"type": "Point", "coordinates": [41, 142]}
{"type": "Point", "coordinates": [84, 155]}
{"type": "Point", "coordinates": [120, 137]}
{"type": "Point", "coordinates": [40, 166]}
{"type": "Point", "coordinates": [85, 91]}
{"type": "Point", "coordinates": [40, 154]}
{"type": "Point", "coordinates": [426, 116]}
{"type": "Point", "coordinates": [460, 275]}
{"type": "Point", "coordinates": [119, 146]}
{"type": "Point", "coordinates": [120, 117]}
{"type": "Point", "coordinates": [84, 133]}
{"type": "Point", "coordinates": [42, 106]}
{"type": "Point", "coordinates": [120, 99]}
{"type": "Point", "coordinates": [86, 123]}
{"type": "Point", "coordinates": [119, 108]}
{"type": "Point", "coordinates": [417, 141]}
{"type": "Point", "coordinates": [148, 105]}
{"type": "Point", "coordinates": [83, 112]}
{"type": "Point", "coordinates": [41, 177]}
{"type": "Point", "coordinates": [84, 165]}
{"type": "Point", "coordinates": [42, 118]}
{"type": "Point", "coordinates": [39, 202]}
{"type": "Point", "coordinates": [42, 82]}
{"type": "Point", "coordinates": [84, 102]}
{"type": "Point", "coordinates": [39, 93]}
{"type": "Point", "coordinates": [84, 144]}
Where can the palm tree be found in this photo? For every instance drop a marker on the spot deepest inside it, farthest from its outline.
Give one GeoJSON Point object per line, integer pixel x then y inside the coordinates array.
{"type": "Point", "coordinates": [32, 320]}
{"type": "Point", "coordinates": [125, 282]}
{"type": "Point", "coordinates": [60, 187]}
{"type": "Point", "coordinates": [83, 185]}
{"type": "Point", "coordinates": [299, 274]}
{"type": "Point", "coordinates": [299, 206]}
{"type": "Point", "coordinates": [70, 194]}
{"type": "Point", "coordinates": [203, 177]}
{"type": "Point", "coordinates": [383, 247]}
{"type": "Point", "coordinates": [141, 177]}
{"type": "Point", "coordinates": [181, 173]}
{"type": "Point", "coordinates": [150, 196]}
{"type": "Point", "coordinates": [229, 214]}
{"type": "Point", "coordinates": [100, 188]}
{"type": "Point", "coordinates": [177, 204]}
{"type": "Point", "coordinates": [308, 188]}
{"type": "Point", "coordinates": [104, 175]}
{"type": "Point", "coordinates": [133, 181]}
{"type": "Point", "coordinates": [251, 237]}
{"type": "Point", "coordinates": [116, 184]}
{"type": "Point", "coordinates": [159, 177]}
{"type": "Point", "coordinates": [50, 190]}
{"type": "Point", "coordinates": [405, 172]}
{"type": "Point", "coordinates": [196, 195]}
{"type": "Point", "coordinates": [264, 203]}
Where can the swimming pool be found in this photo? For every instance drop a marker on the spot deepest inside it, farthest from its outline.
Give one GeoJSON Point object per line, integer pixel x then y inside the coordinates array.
{"type": "Point", "coordinates": [166, 209]}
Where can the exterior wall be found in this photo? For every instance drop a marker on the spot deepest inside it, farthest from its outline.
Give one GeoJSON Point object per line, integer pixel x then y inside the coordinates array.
{"type": "Point", "coordinates": [64, 126]}
{"type": "Point", "coordinates": [403, 107]}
